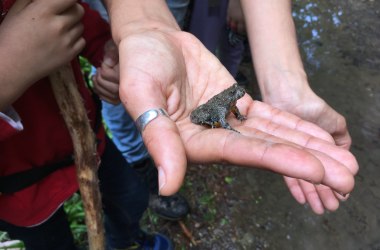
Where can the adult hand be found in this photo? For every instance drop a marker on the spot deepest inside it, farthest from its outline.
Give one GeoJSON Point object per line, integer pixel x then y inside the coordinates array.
{"type": "Point", "coordinates": [303, 102]}
{"type": "Point", "coordinates": [283, 84]}
{"type": "Point", "coordinates": [164, 68]}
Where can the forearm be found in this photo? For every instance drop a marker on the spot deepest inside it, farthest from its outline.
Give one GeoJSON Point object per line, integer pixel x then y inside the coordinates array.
{"type": "Point", "coordinates": [137, 15]}
{"type": "Point", "coordinates": [273, 44]}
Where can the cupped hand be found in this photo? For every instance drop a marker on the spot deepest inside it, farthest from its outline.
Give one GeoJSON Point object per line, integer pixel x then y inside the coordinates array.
{"type": "Point", "coordinates": [303, 102]}
{"type": "Point", "coordinates": [169, 69]}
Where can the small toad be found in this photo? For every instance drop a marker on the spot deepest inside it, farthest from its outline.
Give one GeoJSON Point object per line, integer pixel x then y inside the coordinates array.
{"type": "Point", "coordinates": [214, 112]}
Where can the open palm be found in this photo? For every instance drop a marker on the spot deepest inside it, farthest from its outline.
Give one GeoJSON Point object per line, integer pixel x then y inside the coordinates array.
{"type": "Point", "coordinates": [174, 71]}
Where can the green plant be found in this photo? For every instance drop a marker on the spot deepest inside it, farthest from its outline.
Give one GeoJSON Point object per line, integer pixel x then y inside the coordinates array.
{"type": "Point", "coordinates": [75, 215]}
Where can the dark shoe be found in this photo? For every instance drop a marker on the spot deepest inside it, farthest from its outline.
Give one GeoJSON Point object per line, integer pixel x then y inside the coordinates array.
{"type": "Point", "coordinates": [154, 242]}
{"type": "Point", "coordinates": [174, 207]}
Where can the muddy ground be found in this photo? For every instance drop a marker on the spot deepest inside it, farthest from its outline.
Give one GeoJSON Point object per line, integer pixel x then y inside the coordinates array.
{"type": "Point", "coordinates": [236, 208]}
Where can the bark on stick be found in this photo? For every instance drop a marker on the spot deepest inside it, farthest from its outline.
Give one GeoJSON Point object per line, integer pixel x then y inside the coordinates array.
{"type": "Point", "coordinates": [75, 115]}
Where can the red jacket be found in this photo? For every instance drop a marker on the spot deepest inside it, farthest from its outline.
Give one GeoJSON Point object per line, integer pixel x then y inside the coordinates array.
{"type": "Point", "coordinates": [45, 138]}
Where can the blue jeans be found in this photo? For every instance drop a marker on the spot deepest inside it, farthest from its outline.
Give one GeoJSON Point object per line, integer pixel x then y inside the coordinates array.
{"type": "Point", "coordinates": [124, 132]}
{"type": "Point", "coordinates": [124, 197]}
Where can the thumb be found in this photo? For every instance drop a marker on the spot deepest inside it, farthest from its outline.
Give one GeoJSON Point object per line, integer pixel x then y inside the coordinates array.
{"type": "Point", "coordinates": [111, 54]}
{"type": "Point", "coordinates": [164, 144]}
{"type": "Point", "coordinates": [161, 135]}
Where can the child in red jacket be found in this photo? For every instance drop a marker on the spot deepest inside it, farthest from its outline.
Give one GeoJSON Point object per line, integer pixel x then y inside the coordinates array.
{"type": "Point", "coordinates": [33, 136]}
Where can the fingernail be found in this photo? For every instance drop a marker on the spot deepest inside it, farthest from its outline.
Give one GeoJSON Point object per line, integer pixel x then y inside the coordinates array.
{"type": "Point", "coordinates": [344, 195]}
{"type": "Point", "coordinates": [109, 62]}
{"type": "Point", "coordinates": [161, 179]}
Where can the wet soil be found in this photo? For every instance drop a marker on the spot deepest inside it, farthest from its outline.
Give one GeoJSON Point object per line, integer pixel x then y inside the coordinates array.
{"type": "Point", "coordinates": [238, 208]}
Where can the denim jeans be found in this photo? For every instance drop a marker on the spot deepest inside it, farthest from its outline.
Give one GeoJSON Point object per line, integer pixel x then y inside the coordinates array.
{"type": "Point", "coordinates": [124, 132]}
{"type": "Point", "coordinates": [124, 197]}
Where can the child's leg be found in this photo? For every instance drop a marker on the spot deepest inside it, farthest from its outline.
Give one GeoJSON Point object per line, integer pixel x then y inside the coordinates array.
{"type": "Point", "coordinates": [125, 198]}
{"type": "Point", "coordinates": [52, 234]}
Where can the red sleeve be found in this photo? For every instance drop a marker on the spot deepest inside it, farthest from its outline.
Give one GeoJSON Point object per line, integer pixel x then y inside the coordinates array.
{"type": "Point", "coordinates": [6, 130]}
{"type": "Point", "coordinates": [96, 33]}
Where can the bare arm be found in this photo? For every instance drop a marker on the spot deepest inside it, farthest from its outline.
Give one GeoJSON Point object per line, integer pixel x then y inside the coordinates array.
{"type": "Point", "coordinates": [279, 69]}
{"type": "Point", "coordinates": [272, 38]}
{"type": "Point", "coordinates": [283, 84]}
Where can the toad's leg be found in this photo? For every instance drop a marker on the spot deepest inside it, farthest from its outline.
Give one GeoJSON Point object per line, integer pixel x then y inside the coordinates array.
{"type": "Point", "coordinates": [224, 124]}
{"type": "Point", "coordinates": [235, 111]}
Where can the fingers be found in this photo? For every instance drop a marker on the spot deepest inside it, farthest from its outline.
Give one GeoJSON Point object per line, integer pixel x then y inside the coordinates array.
{"type": "Point", "coordinates": [276, 116]}
{"type": "Point", "coordinates": [302, 136]}
{"type": "Point", "coordinates": [319, 197]}
{"type": "Point", "coordinates": [295, 189]}
{"type": "Point", "coordinates": [57, 6]}
{"type": "Point", "coordinates": [110, 74]}
{"type": "Point", "coordinates": [107, 90]}
{"type": "Point", "coordinates": [339, 132]}
{"type": "Point", "coordinates": [337, 176]}
{"type": "Point", "coordinates": [72, 15]}
{"type": "Point", "coordinates": [106, 83]}
{"type": "Point", "coordinates": [256, 150]}
{"type": "Point", "coordinates": [111, 54]}
{"type": "Point", "coordinates": [18, 6]}
{"type": "Point", "coordinates": [254, 147]}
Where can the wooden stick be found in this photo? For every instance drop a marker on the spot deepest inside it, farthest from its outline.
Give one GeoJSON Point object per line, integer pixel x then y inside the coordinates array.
{"type": "Point", "coordinates": [74, 113]}
{"type": "Point", "coordinates": [187, 232]}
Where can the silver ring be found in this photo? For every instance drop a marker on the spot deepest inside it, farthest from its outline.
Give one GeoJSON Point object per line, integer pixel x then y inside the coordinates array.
{"type": "Point", "coordinates": [149, 116]}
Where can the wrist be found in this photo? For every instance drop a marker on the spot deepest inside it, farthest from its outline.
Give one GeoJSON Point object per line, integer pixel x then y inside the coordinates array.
{"type": "Point", "coordinates": [136, 16]}
{"type": "Point", "coordinates": [279, 87]}
{"type": "Point", "coordinates": [141, 26]}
